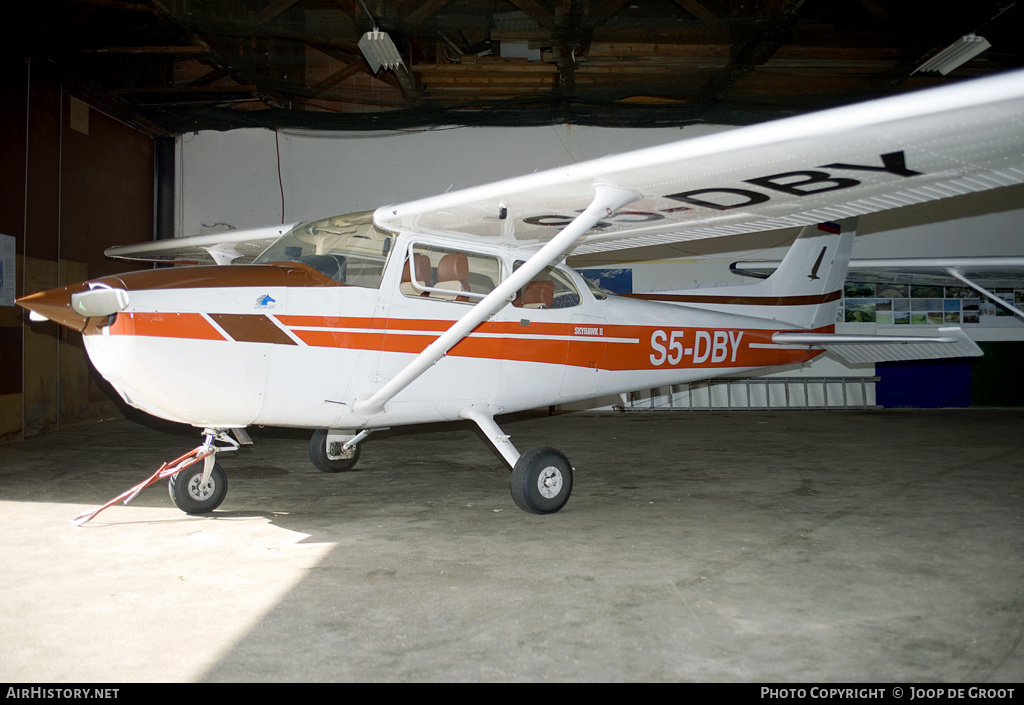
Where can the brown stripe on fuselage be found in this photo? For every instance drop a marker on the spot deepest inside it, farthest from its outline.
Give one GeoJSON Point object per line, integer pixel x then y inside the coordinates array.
{"type": "Point", "coordinates": [810, 300]}
{"type": "Point", "coordinates": [204, 277]}
{"type": "Point", "coordinates": [251, 328]}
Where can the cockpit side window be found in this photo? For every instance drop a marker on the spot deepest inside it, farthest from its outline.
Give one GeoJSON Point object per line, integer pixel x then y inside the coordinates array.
{"type": "Point", "coordinates": [552, 288]}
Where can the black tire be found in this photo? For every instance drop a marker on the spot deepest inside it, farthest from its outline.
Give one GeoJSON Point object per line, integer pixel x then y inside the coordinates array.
{"type": "Point", "coordinates": [318, 454]}
{"type": "Point", "coordinates": [189, 497]}
{"type": "Point", "coordinates": [542, 481]}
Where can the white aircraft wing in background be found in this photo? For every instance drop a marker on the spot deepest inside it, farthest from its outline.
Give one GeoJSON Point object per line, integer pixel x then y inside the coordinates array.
{"type": "Point", "coordinates": [983, 274]}
{"type": "Point", "coordinates": [231, 247]}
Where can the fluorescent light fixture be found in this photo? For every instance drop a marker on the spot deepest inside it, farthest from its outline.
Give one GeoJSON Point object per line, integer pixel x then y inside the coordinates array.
{"type": "Point", "coordinates": [956, 54]}
{"type": "Point", "coordinates": [380, 51]}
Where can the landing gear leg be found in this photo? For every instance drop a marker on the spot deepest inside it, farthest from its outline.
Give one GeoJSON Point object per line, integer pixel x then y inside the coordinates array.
{"type": "Point", "coordinates": [199, 491]}
{"type": "Point", "coordinates": [541, 477]}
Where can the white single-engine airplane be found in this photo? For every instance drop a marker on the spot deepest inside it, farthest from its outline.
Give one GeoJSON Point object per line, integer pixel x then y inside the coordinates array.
{"type": "Point", "coordinates": [461, 307]}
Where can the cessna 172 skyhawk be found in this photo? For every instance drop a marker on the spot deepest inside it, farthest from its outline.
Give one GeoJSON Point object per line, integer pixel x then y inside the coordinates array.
{"type": "Point", "coordinates": [460, 306]}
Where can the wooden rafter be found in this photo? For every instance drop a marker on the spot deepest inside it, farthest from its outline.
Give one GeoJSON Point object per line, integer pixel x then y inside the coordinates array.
{"type": "Point", "coordinates": [702, 9]}
{"type": "Point", "coordinates": [169, 49]}
{"type": "Point", "coordinates": [536, 11]}
{"type": "Point", "coordinates": [273, 10]}
{"type": "Point", "coordinates": [424, 12]}
{"type": "Point", "coordinates": [589, 55]}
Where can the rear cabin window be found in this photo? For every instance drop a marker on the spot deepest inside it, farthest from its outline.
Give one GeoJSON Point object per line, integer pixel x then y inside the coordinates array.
{"type": "Point", "coordinates": [449, 275]}
{"type": "Point", "coordinates": [551, 288]}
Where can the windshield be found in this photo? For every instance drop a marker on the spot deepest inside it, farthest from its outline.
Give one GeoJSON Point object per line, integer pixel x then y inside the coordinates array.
{"type": "Point", "coordinates": [347, 248]}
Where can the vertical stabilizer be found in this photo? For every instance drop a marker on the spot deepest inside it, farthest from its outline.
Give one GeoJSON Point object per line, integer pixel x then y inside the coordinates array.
{"type": "Point", "coordinates": [804, 292]}
{"type": "Point", "coordinates": [809, 282]}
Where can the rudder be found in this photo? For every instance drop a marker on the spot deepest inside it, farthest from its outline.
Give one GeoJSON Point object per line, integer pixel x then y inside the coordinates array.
{"type": "Point", "coordinates": [809, 281]}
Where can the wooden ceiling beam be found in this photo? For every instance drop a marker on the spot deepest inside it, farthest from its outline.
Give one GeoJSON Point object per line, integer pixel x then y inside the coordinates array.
{"type": "Point", "coordinates": [424, 12]}
{"type": "Point", "coordinates": [335, 78]}
{"type": "Point", "coordinates": [273, 10]}
{"type": "Point", "coordinates": [609, 8]}
{"type": "Point", "coordinates": [705, 10]}
{"type": "Point", "coordinates": [156, 90]}
{"type": "Point", "coordinates": [117, 5]}
{"type": "Point", "coordinates": [878, 9]}
{"type": "Point", "coordinates": [174, 49]}
{"type": "Point", "coordinates": [536, 11]}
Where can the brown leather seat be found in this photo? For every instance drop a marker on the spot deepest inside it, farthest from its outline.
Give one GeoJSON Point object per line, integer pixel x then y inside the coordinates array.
{"type": "Point", "coordinates": [453, 274]}
{"type": "Point", "coordinates": [539, 294]}
{"type": "Point", "coordinates": [421, 264]}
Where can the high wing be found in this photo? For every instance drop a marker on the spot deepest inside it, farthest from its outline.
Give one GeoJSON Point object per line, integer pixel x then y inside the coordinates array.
{"type": "Point", "coordinates": [232, 247]}
{"type": "Point", "coordinates": [824, 166]}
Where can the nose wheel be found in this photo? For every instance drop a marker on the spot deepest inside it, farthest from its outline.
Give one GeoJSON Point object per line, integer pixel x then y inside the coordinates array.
{"type": "Point", "coordinates": [193, 496]}
{"type": "Point", "coordinates": [189, 491]}
{"type": "Point", "coordinates": [541, 481]}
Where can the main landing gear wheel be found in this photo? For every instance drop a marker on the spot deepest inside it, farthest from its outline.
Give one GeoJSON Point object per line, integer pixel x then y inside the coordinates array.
{"type": "Point", "coordinates": [542, 481]}
{"type": "Point", "coordinates": [191, 496]}
{"type": "Point", "coordinates": [318, 454]}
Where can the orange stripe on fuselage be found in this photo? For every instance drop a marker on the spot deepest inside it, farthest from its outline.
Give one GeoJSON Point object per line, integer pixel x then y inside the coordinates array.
{"type": "Point", "coordinates": [602, 346]}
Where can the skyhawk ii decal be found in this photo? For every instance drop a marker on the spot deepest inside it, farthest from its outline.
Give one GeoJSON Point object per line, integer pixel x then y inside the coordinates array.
{"type": "Point", "coordinates": [460, 306]}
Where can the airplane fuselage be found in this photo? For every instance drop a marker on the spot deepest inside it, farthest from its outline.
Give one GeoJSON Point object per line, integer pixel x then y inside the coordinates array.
{"type": "Point", "coordinates": [284, 345]}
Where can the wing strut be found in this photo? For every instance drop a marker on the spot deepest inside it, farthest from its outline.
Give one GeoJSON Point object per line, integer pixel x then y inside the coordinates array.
{"type": "Point", "coordinates": [991, 295]}
{"type": "Point", "coordinates": [607, 198]}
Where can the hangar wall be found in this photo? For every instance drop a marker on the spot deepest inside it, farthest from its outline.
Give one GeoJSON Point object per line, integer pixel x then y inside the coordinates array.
{"type": "Point", "coordinates": [239, 179]}
{"type": "Point", "coordinates": [249, 178]}
{"type": "Point", "coordinates": [73, 182]}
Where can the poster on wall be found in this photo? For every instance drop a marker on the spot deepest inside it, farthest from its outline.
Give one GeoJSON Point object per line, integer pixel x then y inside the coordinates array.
{"type": "Point", "coordinates": [6, 270]}
{"type": "Point", "coordinates": [911, 304]}
{"type": "Point", "coordinates": [615, 280]}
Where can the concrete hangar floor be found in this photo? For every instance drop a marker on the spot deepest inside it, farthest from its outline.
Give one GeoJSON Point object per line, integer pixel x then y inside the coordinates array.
{"type": "Point", "coordinates": [881, 546]}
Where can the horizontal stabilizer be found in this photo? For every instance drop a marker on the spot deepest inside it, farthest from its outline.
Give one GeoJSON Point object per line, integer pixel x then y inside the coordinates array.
{"type": "Point", "coordinates": [951, 342]}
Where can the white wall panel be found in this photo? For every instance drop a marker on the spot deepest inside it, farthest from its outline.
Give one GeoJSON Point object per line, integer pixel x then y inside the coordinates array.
{"type": "Point", "coordinates": [232, 177]}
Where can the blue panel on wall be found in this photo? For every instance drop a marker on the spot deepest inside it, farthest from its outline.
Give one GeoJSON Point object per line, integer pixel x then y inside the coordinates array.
{"type": "Point", "coordinates": [617, 280]}
{"type": "Point", "coordinates": [932, 384]}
